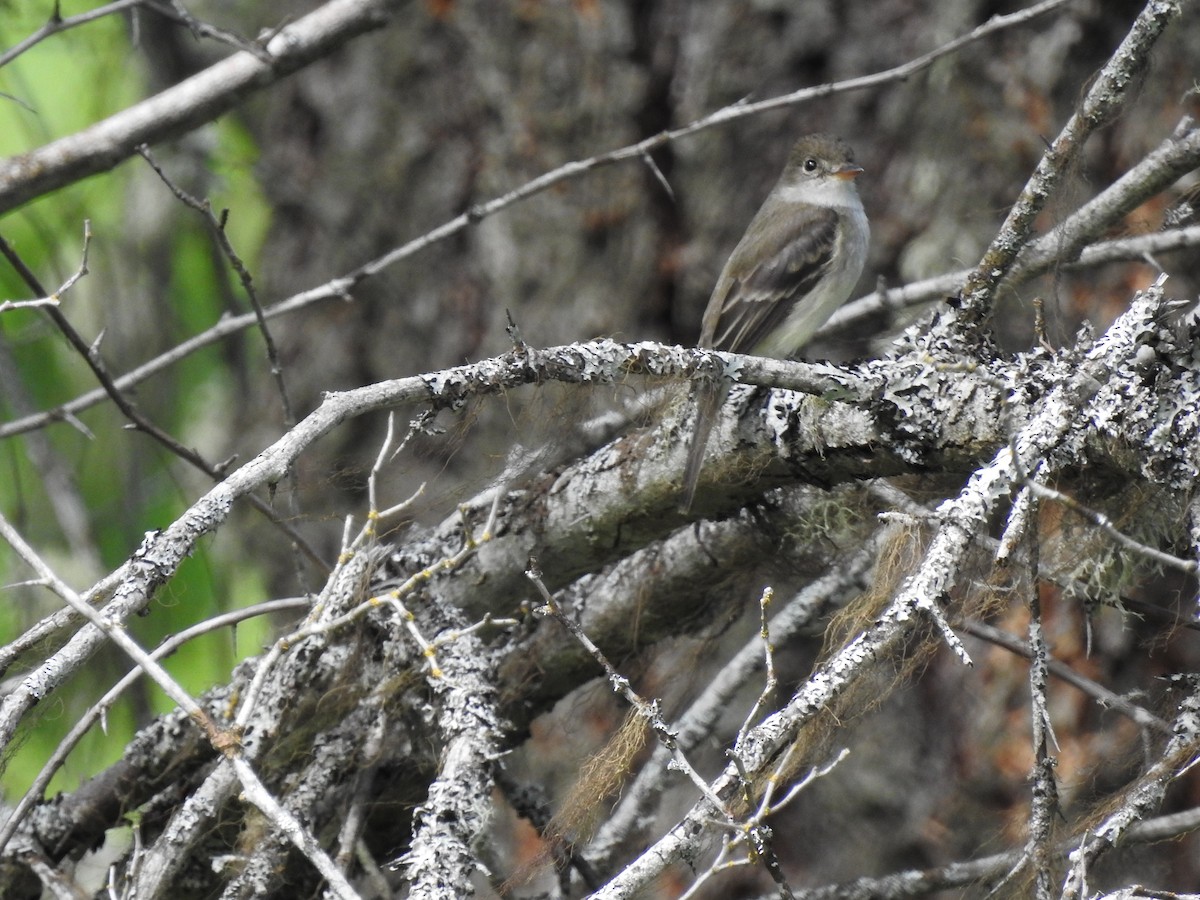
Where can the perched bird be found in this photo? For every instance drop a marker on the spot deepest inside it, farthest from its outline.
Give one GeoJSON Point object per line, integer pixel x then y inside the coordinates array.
{"type": "Point", "coordinates": [797, 262]}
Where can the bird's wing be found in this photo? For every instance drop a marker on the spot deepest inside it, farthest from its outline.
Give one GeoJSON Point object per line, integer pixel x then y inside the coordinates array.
{"type": "Point", "coordinates": [767, 274]}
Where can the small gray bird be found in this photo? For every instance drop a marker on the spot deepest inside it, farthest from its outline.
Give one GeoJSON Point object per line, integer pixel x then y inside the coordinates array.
{"type": "Point", "coordinates": [797, 262]}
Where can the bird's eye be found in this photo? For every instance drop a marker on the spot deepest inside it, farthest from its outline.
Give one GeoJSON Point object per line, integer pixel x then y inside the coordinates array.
{"type": "Point", "coordinates": [810, 165]}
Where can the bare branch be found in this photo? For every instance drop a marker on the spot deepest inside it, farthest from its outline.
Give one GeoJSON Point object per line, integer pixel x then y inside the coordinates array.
{"type": "Point", "coordinates": [97, 709]}
{"type": "Point", "coordinates": [56, 24]}
{"type": "Point", "coordinates": [91, 355]}
{"type": "Point", "coordinates": [1145, 796]}
{"type": "Point", "coordinates": [1102, 695]}
{"type": "Point", "coordinates": [191, 103]}
{"type": "Point", "coordinates": [962, 519]}
{"type": "Point", "coordinates": [204, 96]}
{"type": "Point", "coordinates": [1108, 92]}
{"type": "Point", "coordinates": [1067, 245]}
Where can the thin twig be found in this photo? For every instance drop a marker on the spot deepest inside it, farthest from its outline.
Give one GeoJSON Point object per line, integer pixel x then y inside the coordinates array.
{"type": "Point", "coordinates": [722, 116]}
{"type": "Point", "coordinates": [225, 327]}
{"type": "Point", "coordinates": [91, 356]}
{"type": "Point", "coordinates": [6, 305]}
{"type": "Point", "coordinates": [755, 834]}
{"type": "Point", "coordinates": [256, 792]}
{"type": "Point", "coordinates": [1098, 692]}
{"type": "Point", "coordinates": [697, 724]}
{"type": "Point", "coordinates": [56, 24]}
{"type": "Point", "coordinates": [1104, 524]}
{"type": "Point", "coordinates": [1107, 93]}
{"type": "Point", "coordinates": [117, 634]}
{"type": "Point", "coordinates": [771, 681]}
{"type": "Point", "coordinates": [176, 12]}
{"type": "Point", "coordinates": [216, 227]}
{"type": "Point", "coordinates": [647, 709]}
{"type": "Point", "coordinates": [96, 711]}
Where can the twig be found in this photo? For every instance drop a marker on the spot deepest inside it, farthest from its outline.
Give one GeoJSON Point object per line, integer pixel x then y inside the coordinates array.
{"type": "Point", "coordinates": [176, 12]}
{"type": "Point", "coordinates": [95, 362]}
{"type": "Point", "coordinates": [256, 793]}
{"type": "Point", "coordinates": [722, 116]}
{"type": "Point", "coordinates": [6, 305]}
{"type": "Point", "coordinates": [1104, 524]}
{"type": "Point", "coordinates": [115, 633]}
{"type": "Point", "coordinates": [756, 835]}
{"type": "Point", "coordinates": [224, 741]}
{"type": "Point", "coordinates": [216, 227]}
{"type": "Point", "coordinates": [97, 709]}
{"type": "Point", "coordinates": [1044, 804]}
{"type": "Point", "coordinates": [771, 681]}
{"type": "Point", "coordinates": [647, 709]}
{"type": "Point", "coordinates": [54, 623]}
{"type": "Point", "coordinates": [1104, 98]}
{"type": "Point", "coordinates": [228, 325]}
{"type": "Point", "coordinates": [56, 24]}
{"type": "Point", "coordinates": [697, 723]}
{"type": "Point", "coordinates": [340, 603]}
{"type": "Point", "coordinates": [215, 90]}
{"type": "Point", "coordinates": [1098, 692]}
{"type": "Point", "coordinates": [1143, 797]}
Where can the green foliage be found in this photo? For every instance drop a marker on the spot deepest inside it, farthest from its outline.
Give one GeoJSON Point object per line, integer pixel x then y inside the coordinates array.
{"type": "Point", "coordinates": [125, 482]}
{"type": "Point", "coordinates": [238, 190]}
{"type": "Point", "coordinates": [54, 89]}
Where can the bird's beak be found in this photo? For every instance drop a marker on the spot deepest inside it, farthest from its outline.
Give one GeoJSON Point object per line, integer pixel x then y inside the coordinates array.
{"type": "Point", "coordinates": [848, 173]}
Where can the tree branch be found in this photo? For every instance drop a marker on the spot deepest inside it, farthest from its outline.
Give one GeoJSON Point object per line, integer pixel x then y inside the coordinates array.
{"type": "Point", "coordinates": [191, 103]}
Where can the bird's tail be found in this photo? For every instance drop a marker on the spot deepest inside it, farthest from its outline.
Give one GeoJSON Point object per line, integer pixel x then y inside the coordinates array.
{"type": "Point", "coordinates": [710, 396]}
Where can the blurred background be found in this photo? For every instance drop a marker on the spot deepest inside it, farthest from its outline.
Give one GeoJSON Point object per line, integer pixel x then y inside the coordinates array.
{"type": "Point", "coordinates": [453, 104]}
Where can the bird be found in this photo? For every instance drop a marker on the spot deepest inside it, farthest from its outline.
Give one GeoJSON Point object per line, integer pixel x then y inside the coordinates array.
{"type": "Point", "coordinates": [799, 260]}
